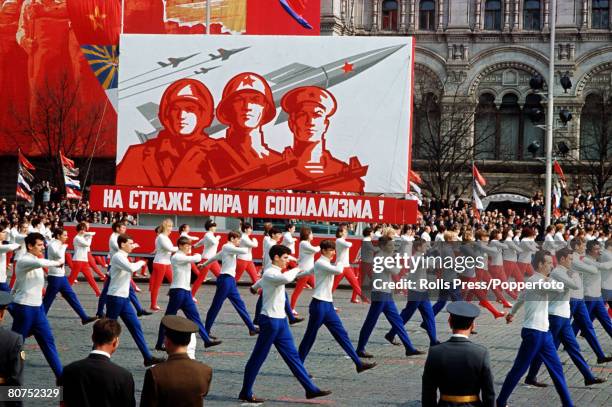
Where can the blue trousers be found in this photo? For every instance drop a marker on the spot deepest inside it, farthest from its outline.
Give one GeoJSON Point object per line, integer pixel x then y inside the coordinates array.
{"type": "Point", "coordinates": [226, 288]}
{"type": "Point", "coordinates": [5, 287]}
{"type": "Point", "coordinates": [420, 300]}
{"type": "Point", "coordinates": [383, 303]}
{"type": "Point", "coordinates": [582, 322]}
{"type": "Point", "coordinates": [535, 343]}
{"type": "Point", "coordinates": [275, 331]}
{"type": "Point", "coordinates": [28, 320]}
{"type": "Point", "coordinates": [61, 285]}
{"type": "Point", "coordinates": [120, 307]}
{"type": "Point", "coordinates": [453, 294]}
{"type": "Point", "coordinates": [181, 299]}
{"type": "Point", "coordinates": [323, 312]}
{"type": "Point", "coordinates": [597, 310]}
{"type": "Point", "coordinates": [104, 293]}
{"type": "Point", "coordinates": [288, 309]}
{"type": "Point", "coordinates": [561, 331]}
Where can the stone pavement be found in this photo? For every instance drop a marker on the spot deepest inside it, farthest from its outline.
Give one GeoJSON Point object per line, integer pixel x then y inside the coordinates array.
{"type": "Point", "coordinates": [395, 382]}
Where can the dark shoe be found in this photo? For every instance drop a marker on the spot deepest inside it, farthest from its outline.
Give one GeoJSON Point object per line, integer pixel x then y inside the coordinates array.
{"type": "Point", "coordinates": [251, 399]}
{"type": "Point", "coordinates": [474, 333]}
{"type": "Point", "coordinates": [605, 359]}
{"type": "Point", "coordinates": [89, 320]}
{"type": "Point", "coordinates": [255, 332]}
{"type": "Point", "coordinates": [320, 393]}
{"type": "Point", "coordinates": [214, 338]}
{"type": "Point", "coordinates": [597, 380]}
{"type": "Point", "coordinates": [143, 312]}
{"type": "Point", "coordinates": [160, 348]}
{"type": "Point", "coordinates": [212, 343]}
{"type": "Point", "coordinates": [391, 339]}
{"type": "Point", "coordinates": [364, 355]}
{"type": "Point", "coordinates": [366, 366]}
{"type": "Point", "coordinates": [296, 320]}
{"type": "Point", "coordinates": [414, 352]}
{"type": "Point", "coordinates": [534, 382]}
{"type": "Point", "coordinates": [153, 361]}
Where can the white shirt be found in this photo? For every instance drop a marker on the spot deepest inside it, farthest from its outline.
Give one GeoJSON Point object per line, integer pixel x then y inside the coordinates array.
{"type": "Point", "coordinates": [559, 303]}
{"type": "Point", "coordinates": [30, 279]}
{"type": "Point", "coordinates": [121, 274]}
{"type": "Point", "coordinates": [496, 257]}
{"type": "Point", "coordinates": [324, 273]}
{"type": "Point", "coordinates": [249, 243]}
{"type": "Point", "coordinates": [57, 251]}
{"type": "Point", "coordinates": [510, 253]}
{"type": "Point", "coordinates": [19, 238]}
{"type": "Point", "coordinates": [579, 267]}
{"type": "Point", "coordinates": [307, 255]}
{"type": "Point", "coordinates": [163, 249]}
{"type": "Point", "coordinates": [181, 269]}
{"type": "Point", "coordinates": [592, 281]}
{"type": "Point", "coordinates": [272, 283]}
{"type": "Point", "coordinates": [606, 275]}
{"type": "Point", "coordinates": [113, 247]}
{"type": "Point", "coordinates": [439, 237]}
{"type": "Point", "coordinates": [342, 252]}
{"type": "Point", "coordinates": [268, 242]}
{"type": "Point", "coordinates": [210, 243]}
{"type": "Point", "coordinates": [425, 236]}
{"type": "Point", "coordinates": [4, 249]}
{"type": "Point", "coordinates": [384, 277]}
{"type": "Point", "coordinates": [227, 255]}
{"type": "Point", "coordinates": [100, 352]}
{"type": "Point", "coordinates": [419, 274]}
{"type": "Point", "coordinates": [529, 247]}
{"type": "Point", "coordinates": [536, 305]}
{"type": "Point", "coordinates": [289, 241]}
{"type": "Point", "coordinates": [192, 238]}
{"type": "Point", "coordinates": [81, 243]}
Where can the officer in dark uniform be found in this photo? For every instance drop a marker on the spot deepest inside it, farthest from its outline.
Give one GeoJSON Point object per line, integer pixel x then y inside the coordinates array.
{"type": "Point", "coordinates": [11, 354]}
{"type": "Point", "coordinates": [179, 381]}
{"type": "Point", "coordinates": [458, 368]}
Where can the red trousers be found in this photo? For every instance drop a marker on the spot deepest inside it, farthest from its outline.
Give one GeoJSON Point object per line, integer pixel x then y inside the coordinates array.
{"type": "Point", "coordinates": [94, 266]}
{"type": "Point", "coordinates": [498, 273]}
{"type": "Point", "coordinates": [350, 276]}
{"type": "Point", "coordinates": [525, 268]}
{"type": "Point", "coordinates": [482, 296]}
{"type": "Point", "coordinates": [83, 267]}
{"type": "Point", "coordinates": [157, 278]}
{"type": "Point", "coordinates": [482, 275]}
{"type": "Point", "coordinates": [216, 270]}
{"type": "Point", "coordinates": [249, 267]}
{"type": "Point", "coordinates": [300, 284]}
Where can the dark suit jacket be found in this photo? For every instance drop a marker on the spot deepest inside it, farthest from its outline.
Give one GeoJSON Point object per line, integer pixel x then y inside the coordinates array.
{"type": "Point", "coordinates": [11, 362]}
{"type": "Point", "coordinates": [178, 382]}
{"type": "Point", "coordinates": [458, 367]}
{"type": "Point", "coordinates": [96, 381]}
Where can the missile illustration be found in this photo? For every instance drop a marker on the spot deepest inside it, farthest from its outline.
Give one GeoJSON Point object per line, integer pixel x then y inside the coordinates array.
{"type": "Point", "coordinates": [293, 76]}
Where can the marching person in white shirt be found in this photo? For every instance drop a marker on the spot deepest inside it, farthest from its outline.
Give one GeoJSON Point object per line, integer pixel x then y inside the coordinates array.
{"type": "Point", "coordinates": [288, 239]}
{"type": "Point", "coordinates": [592, 286]}
{"type": "Point", "coordinates": [210, 243]}
{"type": "Point", "coordinates": [80, 260]}
{"type": "Point", "coordinates": [275, 328]}
{"type": "Point", "coordinates": [29, 316]}
{"type": "Point", "coordinates": [161, 262]}
{"type": "Point", "coordinates": [537, 339]}
{"type": "Point", "coordinates": [118, 302]}
{"type": "Point", "coordinates": [510, 256]}
{"type": "Point", "coordinates": [4, 249]}
{"type": "Point", "coordinates": [578, 308]}
{"type": "Point", "coordinates": [18, 236]}
{"type": "Point", "coordinates": [180, 291]}
{"type": "Point", "coordinates": [559, 319]}
{"type": "Point", "coordinates": [606, 276]}
{"type": "Point", "coordinates": [184, 230]}
{"type": "Point", "coordinates": [305, 262]}
{"type": "Point", "coordinates": [226, 284]}
{"type": "Point", "coordinates": [343, 247]}
{"type": "Point", "coordinates": [245, 261]}
{"type": "Point", "coordinates": [57, 281]}
{"type": "Point", "coordinates": [322, 310]}
{"type": "Point", "coordinates": [529, 248]}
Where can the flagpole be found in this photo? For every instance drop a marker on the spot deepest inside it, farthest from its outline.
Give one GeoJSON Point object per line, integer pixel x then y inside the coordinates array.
{"type": "Point", "coordinates": [549, 116]}
{"type": "Point", "coordinates": [207, 17]}
{"type": "Point", "coordinates": [122, 14]}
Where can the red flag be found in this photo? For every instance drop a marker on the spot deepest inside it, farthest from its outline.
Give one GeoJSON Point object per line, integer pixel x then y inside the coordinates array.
{"type": "Point", "coordinates": [558, 170]}
{"type": "Point", "coordinates": [21, 193]}
{"type": "Point", "coordinates": [414, 177]}
{"type": "Point", "coordinates": [24, 162]}
{"type": "Point", "coordinates": [95, 21]}
{"type": "Point", "coordinates": [72, 193]}
{"type": "Point", "coordinates": [479, 178]}
{"type": "Point", "coordinates": [66, 162]}
{"type": "Point", "coordinates": [476, 211]}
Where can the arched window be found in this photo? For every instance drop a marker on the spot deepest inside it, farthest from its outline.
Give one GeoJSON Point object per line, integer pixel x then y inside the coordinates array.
{"type": "Point", "coordinates": [531, 15]}
{"type": "Point", "coordinates": [601, 14]}
{"type": "Point", "coordinates": [426, 127]}
{"type": "Point", "coordinates": [427, 15]}
{"type": "Point", "coordinates": [485, 128]}
{"type": "Point", "coordinates": [492, 15]}
{"type": "Point", "coordinates": [509, 127]}
{"type": "Point", "coordinates": [389, 15]}
{"type": "Point", "coordinates": [595, 129]}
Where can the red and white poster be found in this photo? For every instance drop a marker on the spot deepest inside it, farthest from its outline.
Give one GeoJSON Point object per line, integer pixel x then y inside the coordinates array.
{"type": "Point", "coordinates": [265, 112]}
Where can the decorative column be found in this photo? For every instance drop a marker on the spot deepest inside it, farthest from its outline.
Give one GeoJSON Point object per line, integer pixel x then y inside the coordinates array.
{"type": "Point", "coordinates": [374, 16]}
{"type": "Point", "coordinates": [411, 15]}
{"type": "Point", "coordinates": [516, 16]}
{"type": "Point", "coordinates": [585, 15]}
{"type": "Point", "coordinates": [506, 27]}
{"type": "Point", "coordinates": [478, 24]}
{"type": "Point", "coordinates": [546, 26]}
{"type": "Point", "coordinates": [440, 15]}
{"type": "Point", "coordinates": [402, 25]}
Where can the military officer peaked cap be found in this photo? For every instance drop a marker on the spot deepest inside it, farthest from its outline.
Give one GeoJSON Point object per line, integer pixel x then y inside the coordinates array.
{"type": "Point", "coordinates": [463, 309]}
{"type": "Point", "coordinates": [179, 324]}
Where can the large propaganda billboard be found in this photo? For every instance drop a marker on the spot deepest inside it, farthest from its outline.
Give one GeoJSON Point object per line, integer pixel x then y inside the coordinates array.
{"type": "Point", "coordinates": [265, 112]}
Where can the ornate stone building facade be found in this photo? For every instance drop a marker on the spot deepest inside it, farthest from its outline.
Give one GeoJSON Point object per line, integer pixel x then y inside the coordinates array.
{"type": "Point", "coordinates": [489, 50]}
